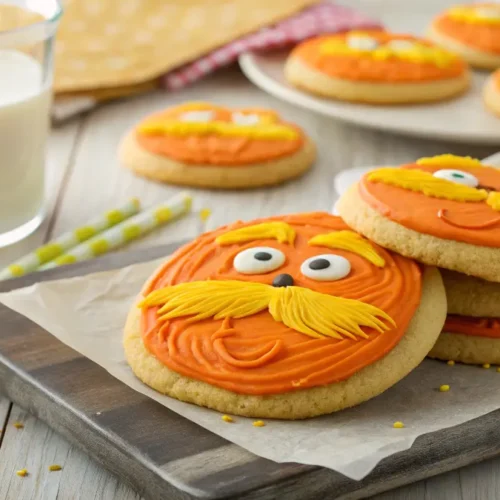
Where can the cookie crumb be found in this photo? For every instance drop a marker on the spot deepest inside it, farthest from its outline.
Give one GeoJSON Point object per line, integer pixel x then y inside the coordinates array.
{"type": "Point", "coordinates": [450, 362]}
{"type": "Point", "coordinates": [98, 413]}
{"type": "Point", "coordinates": [227, 418]}
{"type": "Point", "coordinates": [22, 472]}
{"type": "Point", "coordinates": [54, 468]}
{"type": "Point", "coordinates": [486, 366]}
{"type": "Point", "coordinates": [444, 388]}
{"type": "Point", "coordinates": [205, 213]}
{"type": "Point", "coordinates": [259, 423]}
{"type": "Point", "coordinates": [398, 425]}
{"type": "Point", "coordinates": [18, 425]}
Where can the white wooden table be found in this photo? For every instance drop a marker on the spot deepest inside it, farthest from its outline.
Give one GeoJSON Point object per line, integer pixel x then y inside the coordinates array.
{"type": "Point", "coordinates": [86, 179]}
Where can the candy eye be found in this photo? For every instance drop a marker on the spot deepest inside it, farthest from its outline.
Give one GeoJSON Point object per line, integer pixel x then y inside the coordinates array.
{"type": "Point", "coordinates": [361, 42]}
{"type": "Point", "coordinates": [258, 260]}
{"type": "Point", "coordinates": [197, 116]}
{"type": "Point", "coordinates": [457, 176]}
{"type": "Point", "coordinates": [242, 119]}
{"type": "Point", "coordinates": [327, 267]}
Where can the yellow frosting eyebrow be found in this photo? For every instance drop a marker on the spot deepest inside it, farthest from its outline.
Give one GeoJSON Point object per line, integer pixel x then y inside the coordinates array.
{"type": "Point", "coordinates": [277, 230]}
{"type": "Point", "coordinates": [451, 161]}
{"type": "Point", "coordinates": [351, 241]}
{"type": "Point", "coordinates": [178, 128]}
{"type": "Point", "coordinates": [426, 183]}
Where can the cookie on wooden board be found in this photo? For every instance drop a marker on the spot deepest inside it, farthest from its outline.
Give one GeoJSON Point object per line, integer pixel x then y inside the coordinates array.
{"type": "Point", "coordinates": [205, 145]}
{"type": "Point", "coordinates": [442, 211]}
{"type": "Point", "coordinates": [471, 30]}
{"type": "Point", "coordinates": [377, 67]}
{"type": "Point", "coordinates": [288, 317]}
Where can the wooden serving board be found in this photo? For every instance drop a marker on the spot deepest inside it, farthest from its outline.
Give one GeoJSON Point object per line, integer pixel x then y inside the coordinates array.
{"type": "Point", "coordinates": [163, 455]}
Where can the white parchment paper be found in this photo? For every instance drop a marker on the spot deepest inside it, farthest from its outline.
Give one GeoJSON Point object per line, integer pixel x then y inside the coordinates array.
{"type": "Point", "coordinates": [88, 314]}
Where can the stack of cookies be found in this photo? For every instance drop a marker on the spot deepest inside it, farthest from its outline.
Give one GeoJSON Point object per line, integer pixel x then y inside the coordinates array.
{"type": "Point", "coordinates": [441, 211]}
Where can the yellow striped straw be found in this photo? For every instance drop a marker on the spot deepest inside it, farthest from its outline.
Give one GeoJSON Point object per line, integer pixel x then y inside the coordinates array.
{"type": "Point", "coordinates": [32, 261]}
{"type": "Point", "coordinates": [127, 231]}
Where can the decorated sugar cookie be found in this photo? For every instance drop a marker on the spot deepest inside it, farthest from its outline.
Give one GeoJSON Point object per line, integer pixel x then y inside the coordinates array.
{"type": "Point", "coordinates": [376, 67]}
{"type": "Point", "coordinates": [202, 144]}
{"type": "Point", "coordinates": [288, 317]}
{"type": "Point", "coordinates": [442, 211]}
{"type": "Point", "coordinates": [471, 333]}
{"type": "Point", "coordinates": [491, 93]}
{"type": "Point", "coordinates": [471, 30]}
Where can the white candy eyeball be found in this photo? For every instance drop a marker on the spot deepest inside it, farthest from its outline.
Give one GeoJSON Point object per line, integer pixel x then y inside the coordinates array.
{"type": "Point", "coordinates": [458, 176]}
{"type": "Point", "coordinates": [258, 260]}
{"type": "Point", "coordinates": [401, 45]}
{"type": "Point", "coordinates": [326, 267]}
{"type": "Point", "coordinates": [197, 116]}
{"type": "Point", "coordinates": [242, 119]}
{"type": "Point", "coordinates": [361, 42]}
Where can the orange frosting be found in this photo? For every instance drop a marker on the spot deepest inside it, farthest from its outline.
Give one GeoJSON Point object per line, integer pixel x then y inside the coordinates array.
{"type": "Point", "coordinates": [480, 327]}
{"type": "Point", "coordinates": [218, 149]}
{"type": "Point", "coordinates": [361, 67]}
{"type": "Point", "coordinates": [485, 37]}
{"type": "Point", "coordinates": [496, 78]}
{"type": "Point", "coordinates": [470, 222]}
{"type": "Point", "coordinates": [258, 355]}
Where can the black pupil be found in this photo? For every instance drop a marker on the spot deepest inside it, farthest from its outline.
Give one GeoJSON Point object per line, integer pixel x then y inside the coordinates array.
{"type": "Point", "coordinates": [458, 176]}
{"type": "Point", "coordinates": [318, 264]}
{"type": "Point", "coordinates": [263, 256]}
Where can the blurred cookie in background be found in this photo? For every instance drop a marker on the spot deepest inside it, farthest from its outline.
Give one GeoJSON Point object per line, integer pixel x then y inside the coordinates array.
{"type": "Point", "coordinates": [473, 31]}
{"type": "Point", "coordinates": [377, 67]}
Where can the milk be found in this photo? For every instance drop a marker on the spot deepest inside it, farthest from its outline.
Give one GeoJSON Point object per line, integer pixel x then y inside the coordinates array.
{"type": "Point", "coordinates": [24, 120]}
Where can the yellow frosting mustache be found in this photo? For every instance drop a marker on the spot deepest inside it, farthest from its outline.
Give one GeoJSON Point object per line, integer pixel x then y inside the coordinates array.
{"type": "Point", "coordinates": [302, 309]}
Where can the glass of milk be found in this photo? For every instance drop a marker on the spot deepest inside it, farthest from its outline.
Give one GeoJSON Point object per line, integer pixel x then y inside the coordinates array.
{"type": "Point", "coordinates": [27, 29]}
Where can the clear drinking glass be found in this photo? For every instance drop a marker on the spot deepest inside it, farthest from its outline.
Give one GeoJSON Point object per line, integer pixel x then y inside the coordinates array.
{"type": "Point", "coordinates": [27, 30]}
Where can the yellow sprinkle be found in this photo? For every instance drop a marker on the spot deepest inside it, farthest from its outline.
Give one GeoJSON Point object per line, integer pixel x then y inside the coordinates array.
{"type": "Point", "coordinates": [259, 423]}
{"type": "Point", "coordinates": [398, 425]}
{"type": "Point", "coordinates": [54, 468]}
{"type": "Point", "coordinates": [450, 362]}
{"type": "Point", "coordinates": [444, 388]}
{"type": "Point", "coordinates": [498, 369]}
{"type": "Point", "coordinates": [22, 472]}
{"type": "Point", "coordinates": [18, 425]}
{"type": "Point", "coordinates": [227, 418]}
{"type": "Point", "coordinates": [486, 366]}
{"type": "Point", "coordinates": [205, 213]}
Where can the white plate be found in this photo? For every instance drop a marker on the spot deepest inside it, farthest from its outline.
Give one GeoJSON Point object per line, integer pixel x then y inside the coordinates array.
{"type": "Point", "coordinates": [463, 119]}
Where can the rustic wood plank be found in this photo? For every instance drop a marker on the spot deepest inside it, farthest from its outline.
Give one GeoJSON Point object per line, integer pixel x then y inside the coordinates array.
{"type": "Point", "coordinates": [36, 447]}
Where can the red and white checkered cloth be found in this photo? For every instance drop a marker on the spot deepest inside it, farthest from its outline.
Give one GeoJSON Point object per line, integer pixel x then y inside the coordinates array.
{"type": "Point", "coordinates": [319, 19]}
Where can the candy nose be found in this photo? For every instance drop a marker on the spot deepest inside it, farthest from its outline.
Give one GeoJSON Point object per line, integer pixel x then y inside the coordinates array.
{"type": "Point", "coordinates": [283, 280]}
